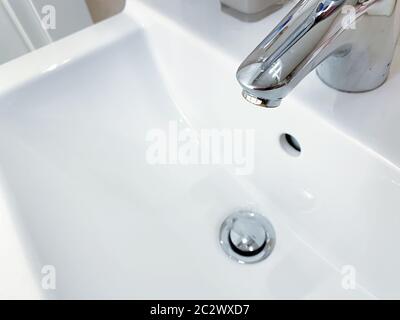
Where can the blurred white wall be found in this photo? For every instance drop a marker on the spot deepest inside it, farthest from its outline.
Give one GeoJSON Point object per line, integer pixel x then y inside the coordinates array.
{"type": "Point", "coordinates": [11, 43]}
{"type": "Point", "coordinates": [21, 29]}
{"type": "Point", "coordinates": [72, 16]}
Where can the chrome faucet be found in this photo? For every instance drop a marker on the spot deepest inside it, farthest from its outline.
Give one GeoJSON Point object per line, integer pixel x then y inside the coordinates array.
{"type": "Point", "coordinates": [351, 43]}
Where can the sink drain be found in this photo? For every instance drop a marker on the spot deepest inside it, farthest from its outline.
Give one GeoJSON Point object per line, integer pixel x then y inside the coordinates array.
{"type": "Point", "coordinates": [247, 237]}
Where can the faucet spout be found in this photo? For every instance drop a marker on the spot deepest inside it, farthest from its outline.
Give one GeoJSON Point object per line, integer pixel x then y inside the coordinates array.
{"type": "Point", "coordinates": [350, 42]}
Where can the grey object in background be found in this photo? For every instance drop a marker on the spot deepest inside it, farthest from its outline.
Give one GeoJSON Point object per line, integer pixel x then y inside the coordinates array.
{"type": "Point", "coordinates": [103, 9]}
{"type": "Point", "coordinates": [251, 10]}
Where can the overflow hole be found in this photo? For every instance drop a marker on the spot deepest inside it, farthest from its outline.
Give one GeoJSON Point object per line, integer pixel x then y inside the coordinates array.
{"type": "Point", "coordinates": [290, 144]}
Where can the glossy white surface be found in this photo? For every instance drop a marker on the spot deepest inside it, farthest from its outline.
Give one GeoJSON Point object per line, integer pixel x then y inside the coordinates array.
{"type": "Point", "coordinates": [74, 118]}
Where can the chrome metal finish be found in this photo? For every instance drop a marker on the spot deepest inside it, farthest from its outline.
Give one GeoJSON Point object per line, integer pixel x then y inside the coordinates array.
{"type": "Point", "coordinates": [350, 42]}
{"type": "Point", "coordinates": [259, 101]}
{"type": "Point", "coordinates": [247, 237]}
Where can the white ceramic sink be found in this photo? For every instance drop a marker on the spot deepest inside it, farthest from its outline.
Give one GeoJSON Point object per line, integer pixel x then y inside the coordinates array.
{"type": "Point", "coordinates": [79, 195]}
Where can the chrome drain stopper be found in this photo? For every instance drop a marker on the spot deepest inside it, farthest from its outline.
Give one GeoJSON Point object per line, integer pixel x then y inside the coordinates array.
{"type": "Point", "coordinates": [247, 237]}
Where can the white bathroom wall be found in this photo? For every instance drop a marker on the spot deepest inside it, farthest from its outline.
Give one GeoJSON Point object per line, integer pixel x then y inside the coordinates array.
{"type": "Point", "coordinates": [21, 29]}
{"type": "Point", "coordinates": [72, 16]}
{"type": "Point", "coordinates": [24, 15]}
{"type": "Point", "coordinates": [11, 43]}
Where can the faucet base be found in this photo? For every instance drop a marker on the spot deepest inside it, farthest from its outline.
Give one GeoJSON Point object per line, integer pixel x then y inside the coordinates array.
{"type": "Point", "coordinates": [363, 57]}
{"type": "Point", "coordinates": [334, 74]}
{"type": "Point", "coordinates": [347, 89]}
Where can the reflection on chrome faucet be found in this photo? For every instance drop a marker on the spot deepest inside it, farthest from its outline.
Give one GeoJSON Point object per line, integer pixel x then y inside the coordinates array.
{"type": "Point", "coordinates": [351, 44]}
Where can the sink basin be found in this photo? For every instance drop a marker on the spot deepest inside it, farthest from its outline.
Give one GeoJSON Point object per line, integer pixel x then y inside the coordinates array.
{"type": "Point", "coordinates": [81, 196]}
